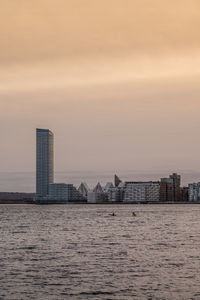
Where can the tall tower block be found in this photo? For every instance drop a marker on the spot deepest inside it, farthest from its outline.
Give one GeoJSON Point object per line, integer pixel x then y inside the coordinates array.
{"type": "Point", "coordinates": [44, 162]}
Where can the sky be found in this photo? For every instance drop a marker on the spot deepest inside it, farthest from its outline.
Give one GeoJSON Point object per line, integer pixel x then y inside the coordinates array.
{"type": "Point", "coordinates": [117, 81]}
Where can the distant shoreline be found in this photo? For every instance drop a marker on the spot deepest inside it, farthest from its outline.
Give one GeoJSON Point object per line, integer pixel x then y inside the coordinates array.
{"type": "Point", "coordinates": [85, 203]}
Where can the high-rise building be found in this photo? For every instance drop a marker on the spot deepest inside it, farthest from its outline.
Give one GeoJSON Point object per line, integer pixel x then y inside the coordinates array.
{"type": "Point", "coordinates": [44, 163]}
{"type": "Point", "coordinates": [166, 190]}
{"type": "Point", "coordinates": [194, 192]}
{"type": "Point", "coordinates": [184, 194]}
{"type": "Point", "coordinates": [176, 186]}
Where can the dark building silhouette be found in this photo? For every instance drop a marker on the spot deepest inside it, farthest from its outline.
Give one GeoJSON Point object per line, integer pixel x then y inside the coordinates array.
{"type": "Point", "coordinates": [170, 189]}
{"type": "Point", "coordinates": [184, 194]}
{"type": "Point", "coordinates": [176, 186]}
{"type": "Point", "coordinates": [166, 189]}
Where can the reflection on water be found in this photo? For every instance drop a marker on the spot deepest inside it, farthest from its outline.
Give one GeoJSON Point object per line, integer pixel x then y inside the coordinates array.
{"type": "Point", "coordinates": [82, 252]}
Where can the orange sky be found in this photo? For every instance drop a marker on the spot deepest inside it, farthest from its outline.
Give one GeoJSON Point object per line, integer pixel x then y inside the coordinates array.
{"type": "Point", "coordinates": [117, 81]}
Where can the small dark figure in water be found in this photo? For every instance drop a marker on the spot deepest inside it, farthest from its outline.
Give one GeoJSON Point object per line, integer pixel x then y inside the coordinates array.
{"type": "Point", "coordinates": [113, 214]}
{"type": "Point", "coordinates": [133, 214]}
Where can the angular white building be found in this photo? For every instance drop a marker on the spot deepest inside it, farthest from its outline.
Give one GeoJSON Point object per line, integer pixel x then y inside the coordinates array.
{"type": "Point", "coordinates": [97, 195]}
{"type": "Point", "coordinates": [83, 189]}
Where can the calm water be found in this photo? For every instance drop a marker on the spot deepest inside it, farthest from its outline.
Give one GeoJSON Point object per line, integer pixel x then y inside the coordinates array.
{"type": "Point", "coordinates": [81, 252]}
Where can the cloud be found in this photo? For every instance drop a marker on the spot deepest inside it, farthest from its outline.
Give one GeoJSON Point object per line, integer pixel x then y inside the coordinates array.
{"type": "Point", "coordinates": [43, 30]}
{"type": "Point", "coordinates": [65, 75]}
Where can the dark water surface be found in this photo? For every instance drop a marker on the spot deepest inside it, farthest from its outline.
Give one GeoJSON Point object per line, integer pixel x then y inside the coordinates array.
{"type": "Point", "coordinates": [81, 252]}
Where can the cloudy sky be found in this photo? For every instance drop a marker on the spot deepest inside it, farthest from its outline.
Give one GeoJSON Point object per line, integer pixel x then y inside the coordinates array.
{"type": "Point", "coordinates": [117, 81]}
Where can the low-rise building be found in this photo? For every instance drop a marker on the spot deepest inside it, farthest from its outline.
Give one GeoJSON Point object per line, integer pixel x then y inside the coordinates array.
{"type": "Point", "coordinates": [153, 191]}
{"type": "Point", "coordinates": [58, 192]}
{"type": "Point", "coordinates": [62, 193]}
{"type": "Point", "coordinates": [108, 186]}
{"type": "Point", "coordinates": [83, 190]}
{"type": "Point", "coordinates": [75, 195]}
{"type": "Point", "coordinates": [141, 191]}
{"type": "Point", "coordinates": [97, 195]}
{"type": "Point", "coordinates": [134, 192]}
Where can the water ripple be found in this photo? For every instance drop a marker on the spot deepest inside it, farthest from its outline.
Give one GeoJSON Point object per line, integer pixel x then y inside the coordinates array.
{"type": "Point", "coordinates": [80, 252]}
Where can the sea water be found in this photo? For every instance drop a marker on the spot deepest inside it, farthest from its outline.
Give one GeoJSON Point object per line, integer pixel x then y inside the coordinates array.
{"type": "Point", "coordinates": [83, 252]}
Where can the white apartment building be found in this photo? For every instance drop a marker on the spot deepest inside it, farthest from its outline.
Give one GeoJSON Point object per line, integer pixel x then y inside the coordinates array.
{"type": "Point", "coordinates": [153, 191]}
{"type": "Point", "coordinates": [141, 191]}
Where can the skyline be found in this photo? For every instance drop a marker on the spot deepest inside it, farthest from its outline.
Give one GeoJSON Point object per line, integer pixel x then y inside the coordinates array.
{"type": "Point", "coordinates": [25, 181]}
{"type": "Point", "coordinates": [117, 83]}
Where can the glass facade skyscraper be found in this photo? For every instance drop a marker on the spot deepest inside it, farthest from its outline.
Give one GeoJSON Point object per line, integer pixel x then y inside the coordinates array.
{"type": "Point", "coordinates": [44, 163]}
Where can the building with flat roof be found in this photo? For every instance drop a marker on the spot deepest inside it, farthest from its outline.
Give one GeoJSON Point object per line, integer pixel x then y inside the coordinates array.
{"type": "Point", "coordinates": [166, 190]}
{"type": "Point", "coordinates": [148, 191]}
{"type": "Point", "coordinates": [59, 192]}
{"type": "Point", "coordinates": [44, 162]}
{"type": "Point", "coordinates": [176, 186]}
{"type": "Point", "coordinates": [194, 192]}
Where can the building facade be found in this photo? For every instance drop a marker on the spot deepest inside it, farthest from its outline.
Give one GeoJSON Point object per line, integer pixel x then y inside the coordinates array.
{"type": "Point", "coordinates": [194, 192]}
{"type": "Point", "coordinates": [134, 192]}
{"type": "Point", "coordinates": [44, 163]}
{"type": "Point", "coordinates": [176, 186]}
{"type": "Point", "coordinates": [58, 192]}
{"type": "Point", "coordinates": [184, 194]}
{"type": "Point", "coordinates": [166, 190]}
{"type": "Point", "coordinates": [153, 191]}
{"type": "Point", "coordinates": [83, 190]}
{"type": "Point", "coordinates": [170, 189]}
{"type": "Point", "coordinates": [141, 191]}
{"type": "Point", "coordinates": [97, 195]}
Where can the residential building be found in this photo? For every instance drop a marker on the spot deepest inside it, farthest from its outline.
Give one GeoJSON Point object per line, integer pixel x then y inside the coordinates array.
{"type": "Point", "coordinates": [134, 192]}
{"type": "Point", "coordinates": [194, 192]}
{"type": "Point", "coordinates": [184, 194]}
{"type": "Point", "coordinates": [97, 195]}
{"type": "Point", "coordinates": [141, 191]}
{"type": "Point", "coordinates": [108, 186]}
{"type": "Point", "coordinates": [59, 192]}
{"type": "Point", "coordinates": [153, 191]}
{"type": "Point", "coordinates": [166, 190]}
{"type": "Point", "coordinates": [176, 186]}
{"type": "Point", "coordinates": [44, 163]}
{"type": "Point", "coordinates": [75, 195]}
{"type": "Point", "coordinates": [113, 192]}
{"type": "Point", "coordinates": [83, 190]}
